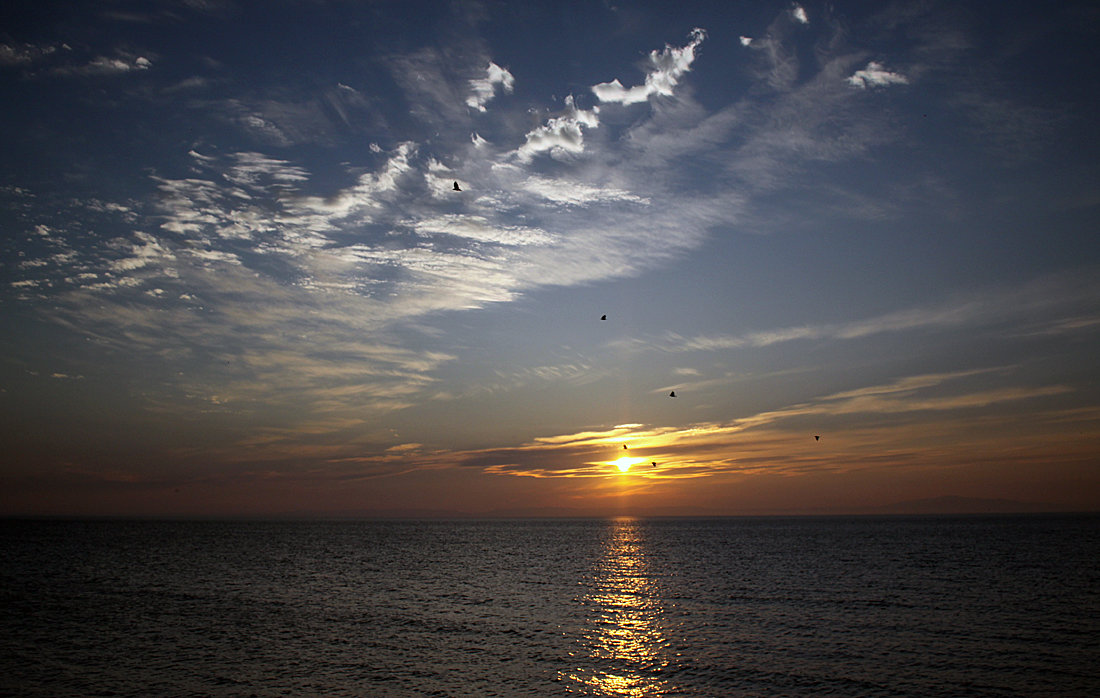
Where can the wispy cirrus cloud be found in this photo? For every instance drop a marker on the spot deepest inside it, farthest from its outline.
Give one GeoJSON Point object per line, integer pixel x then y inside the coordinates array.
{"type": "Point", "coordinates": [478, 228]}
{"type": "Point", "coordinates": [571, 193]}
{"type": "Point", "coordinates": [1066, 303]}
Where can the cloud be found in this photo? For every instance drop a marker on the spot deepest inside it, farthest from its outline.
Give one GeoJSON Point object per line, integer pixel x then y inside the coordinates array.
{"type": "Point", "coordinates": [561, 136]}
{"type": "Point", "coordinates": [875, 75]}
{"type": "Point", "coordinates": [666, 67]}
{"type": "Point", "coordinates": [762, 442]}
{"type": "Point", "coordinates": [62, 60]}
{"type": "Point", "coordinates": [146, 250]}
{"type": "Point", "coordinates": [1066, 304]}
{"type": "Point", "coordinates": [118, 65]}
{"type": "Point", "coordinates": [272, 122]}
{"type": "Point", "coordinates": [253, 169]}
{"type": "Point", "coordinates": [570, 193]}
{"type": "Point", "coordinates": [305, 282]}
{"type": "Point", "coordinates": [104, 65]}
{"type": "Point", "coordinates": [435, 92]}
{"type": "Point", "coordinates": [775, 59]}
{"type": "Point", "coordinates": [479, 229]}
{"type": "Point", "coordinates": [910, 394]}
{"type": "Point", "coordinates": [485, 88]}
{"type": "Point", "coordinates": [24, 54]}
{"type": "Point", "coordinates": [799, 14]}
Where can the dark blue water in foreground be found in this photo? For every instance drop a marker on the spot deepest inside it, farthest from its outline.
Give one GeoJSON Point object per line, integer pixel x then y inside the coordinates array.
{"type": "Point", "coordinates": [997, 606]}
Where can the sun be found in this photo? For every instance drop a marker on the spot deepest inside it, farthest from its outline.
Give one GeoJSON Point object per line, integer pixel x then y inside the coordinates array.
{"type": "Point", "coordinates": [624, 463]}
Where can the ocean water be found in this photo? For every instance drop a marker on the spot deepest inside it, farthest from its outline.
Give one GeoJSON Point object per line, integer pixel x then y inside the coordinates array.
{"type": "Point", "coordinates": [925, 606]}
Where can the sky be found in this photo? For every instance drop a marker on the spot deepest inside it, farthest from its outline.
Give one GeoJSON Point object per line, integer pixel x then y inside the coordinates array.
{"type": "Point", "coordinates": [858, 240]}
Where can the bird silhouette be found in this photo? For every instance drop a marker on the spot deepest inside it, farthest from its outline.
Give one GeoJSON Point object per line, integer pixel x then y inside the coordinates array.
{"type": "Point", "coordinates": [817, 438]}
{"type": "Point", "coordinates": [457, 188]}
{"type": "Point", "coordinates": [654, 464]}
{"type": "Point", "coordinates": [624, 446]}
{"type": "Point", "coordinates": [603, 317]}
{"type": "Point", "coordinates": [672, 394]}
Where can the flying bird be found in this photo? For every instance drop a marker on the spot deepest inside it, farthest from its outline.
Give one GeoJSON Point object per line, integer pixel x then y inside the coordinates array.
{"type": "Point", "coordinates": [817, 438]}
{"type": "Point", "coordinates": [457, 188]}
{"type": "Point", "coordinates": [672, 394]}
{"type": "Point", "coordinates": [603, 317]}
{"type": "Point", "coordinates": [654, 464]}
{"type": "Point", "coordinates": [624, 446]}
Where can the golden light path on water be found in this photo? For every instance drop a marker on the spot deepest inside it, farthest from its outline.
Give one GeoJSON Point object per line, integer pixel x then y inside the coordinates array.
{"type": "Point", "coordinates": [622, 636]}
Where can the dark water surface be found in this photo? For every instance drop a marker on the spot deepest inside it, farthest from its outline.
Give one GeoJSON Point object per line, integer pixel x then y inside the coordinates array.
{"type": "Point", "coordinates": [983, 606]}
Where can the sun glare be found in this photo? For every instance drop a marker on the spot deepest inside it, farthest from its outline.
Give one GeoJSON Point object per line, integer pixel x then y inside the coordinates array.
{"type": "Point", "coordinates": [624, 463]}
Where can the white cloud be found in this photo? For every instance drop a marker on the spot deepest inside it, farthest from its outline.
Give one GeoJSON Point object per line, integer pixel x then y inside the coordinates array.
{"type": "Point", "coordinates": [214, 256]}
{"type": "Point", "coordinates": [875, 75]}
{"type": "Point", "coordinates": [145, 251]}
{"type": "Point", "coordinates": [746, 41]}
{"type": "Point", "coordinates": [799, 14]}
{"type": "Point", "coordinates": [479, 229]}
{"type": "Point", "coordinates": [563, 191]}
{"type": "Point", "coordinates": [485, 88]}
{"type": "Point", "coordinates": [665, 69]}
{"type": "Point", "coordinates": [103, 65]}
{"type": "Point", "coordinates": [253, 168]}
{"type": "Point", "coordinates": [561, 135]}
{"type": "Point", "coordinates": [364, 196]}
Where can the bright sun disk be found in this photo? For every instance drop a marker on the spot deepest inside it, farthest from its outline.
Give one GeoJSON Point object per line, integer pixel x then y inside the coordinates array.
{"type": "Point", "coordinates": [624, 463]}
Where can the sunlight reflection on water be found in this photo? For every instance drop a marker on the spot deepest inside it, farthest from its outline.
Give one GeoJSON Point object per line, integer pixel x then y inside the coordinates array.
{"type": "Point", "coordinates": [895, 606]}
{"type": "Point", "coordinates": [622, 637]}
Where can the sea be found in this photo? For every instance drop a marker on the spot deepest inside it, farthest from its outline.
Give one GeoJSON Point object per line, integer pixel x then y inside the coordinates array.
{"type": "Point", "coordinates": [770, 606]}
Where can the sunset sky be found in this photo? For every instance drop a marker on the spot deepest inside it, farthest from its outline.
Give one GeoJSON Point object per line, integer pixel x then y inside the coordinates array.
{"type": "Point", "coordinates": [235, 278]}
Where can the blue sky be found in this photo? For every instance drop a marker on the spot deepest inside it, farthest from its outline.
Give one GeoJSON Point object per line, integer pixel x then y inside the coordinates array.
{"type": "Point", "coordinates": [236, 278]}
